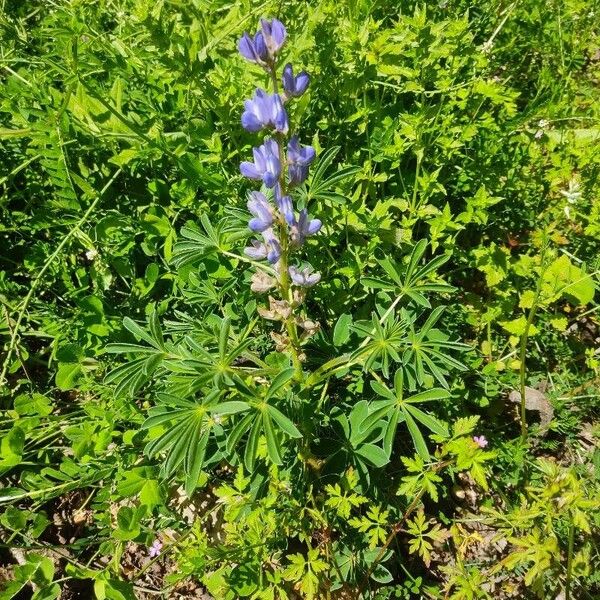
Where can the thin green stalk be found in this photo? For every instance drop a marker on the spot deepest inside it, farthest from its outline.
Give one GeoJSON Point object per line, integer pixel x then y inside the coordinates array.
{"type": "Point", "coordinates": [413, 201]}
{"type": "Point", "coordinates": [343, 362]}
{"type": "Point", "coordinates": [284, 278]}
{"type": "Point", "coordinates": [523, 346]}
{"type": "Point", "coordinates": [570, 561]}
{"type": "Point", "coordinates": [523, 369]}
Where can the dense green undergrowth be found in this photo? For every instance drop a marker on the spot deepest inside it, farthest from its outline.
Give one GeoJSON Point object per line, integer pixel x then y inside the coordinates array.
{"type": "Point", "coordinates": [432, 433]}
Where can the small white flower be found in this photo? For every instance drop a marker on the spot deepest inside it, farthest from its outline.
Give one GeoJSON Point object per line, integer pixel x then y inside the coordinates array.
{"type": "Point", "coordinates": [91, 254]}
{"type": "Point", "coordinates": [543, 123]}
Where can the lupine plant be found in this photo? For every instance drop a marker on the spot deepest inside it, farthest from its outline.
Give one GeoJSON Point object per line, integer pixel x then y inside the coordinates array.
{"type": "Point", "coordinates": [222, 401]}
{"type": "Point", "coordinates": [356, 253]}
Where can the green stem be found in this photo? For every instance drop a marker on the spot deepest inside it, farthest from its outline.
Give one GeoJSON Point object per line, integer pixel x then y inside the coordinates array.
{"type": "Point", "coordinates": [413, 201]}
{"type": "Point", "coordinates": [523, 368]}
{"type": "Point", "coordinates": [284, 278]}
{"type": "Point", "coordinates": [524, 339]}
{"type": "Point", "coordinates": [570, 560]}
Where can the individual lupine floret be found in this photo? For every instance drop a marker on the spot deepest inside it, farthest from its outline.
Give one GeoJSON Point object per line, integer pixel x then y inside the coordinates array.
{"type": "Point", "coordinates": [254, 48]}
{"type": "Point", "coordinates": [262, 211]}
{"type": "Point", "coordinates": [274, 34]}
{"type": "Point", "coordinates": [270, 248]}
{"type": "Point", "coordinates": [264, 45]}
{"type": "Point", "coordinates": [285, 206]}
{"type": "Point", "coordinates": [305, 277]}
{"type": "Point", "coordinates": [273, 245]}
{"type": "Point", "coordinates": [266, 165]}
{"type": "Point", "coordinates": [304, 227]}
{"type": "Point", "coordinates": [299, 158]}
{"type": "Point", "coordinates": [294, 86]}
{"type": "Point", "coordinates": [262, 283]}
{"type": "Point", "coordinates": [257, 251]}
{"type": "Point", "coordinates": [264, 110]}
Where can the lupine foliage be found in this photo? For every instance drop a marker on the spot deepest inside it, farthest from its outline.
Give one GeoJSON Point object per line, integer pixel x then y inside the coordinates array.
{"type": "Point", "coordinates": [299, 299]}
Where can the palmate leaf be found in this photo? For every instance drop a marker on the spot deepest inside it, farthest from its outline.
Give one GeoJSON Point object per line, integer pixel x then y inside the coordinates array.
{"type": "Point", "coordinates": [198, 243]}
{"type": "Point", "coordinates": [411, 281]}
{"type": "Point", "coordinates": [322, 187]}
{"type": "Point", "coordinates": [129, 378]}
{"type": "Point", "coordinates": [385, 341]}
{"type": "Point", "coordinates": [358, 445]}
{"type": "Point", "coordinates": [429, 352]}
{"type": "Point", "coordinates": [187, 428]}
{"type": "Point", "coordinates": [398, 409]}
{"type": "Point", "coordinates": [261, 418]}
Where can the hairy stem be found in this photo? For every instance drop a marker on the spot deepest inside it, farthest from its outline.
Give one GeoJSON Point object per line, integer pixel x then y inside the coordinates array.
{"type": "Point", "coordinates": [284, 278]}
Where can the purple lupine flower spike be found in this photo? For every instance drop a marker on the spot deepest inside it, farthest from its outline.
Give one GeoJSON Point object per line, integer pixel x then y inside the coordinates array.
{"type": "Point", "coordinates": [294, 86]}
{"type": "Point", "coordinates": [274, 35]}
{"type": "Point", "coordinates": [266, 165]}
{"type": "Point", "coordinates": [304, 277]}
{"type": "Point", "coordinates": [299, 158]}
{"type": "Point", "coordinates": [263, 214]}
{"type": "Point", "coordinates": [258, 250]}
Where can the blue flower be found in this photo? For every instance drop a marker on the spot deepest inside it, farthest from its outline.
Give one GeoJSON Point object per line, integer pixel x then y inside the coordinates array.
{"type": "Point", "coordinates": [304, 277]}
{"type": "Point", "coordinates": [264, 110]}
{"type": "Point", "coordinates": [299, 158]}
{"type": "Point", "coordinates": [263, 214]}
{"type": "Point", "coordinates": [254, 48]}
{"type": "Point", "coordinates": [257, 251]}
{"type": "Point", "coordinates": [294, 86]}
{"type": "Point", "coordinates": [273, 246]}
{"type": "Point", "coordinates": [274, 34]}
{"type": "Point", "coordinates": [304, 227]}
{"type": "Point", "coordinates": [266, 165]}
{"type": "Point", "coordinates": [270, 248]}
{"type": "Point", "coordinates": [285, 206]}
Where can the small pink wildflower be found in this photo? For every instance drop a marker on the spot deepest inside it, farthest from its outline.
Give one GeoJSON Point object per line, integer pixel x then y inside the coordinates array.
{"type": "Point", "coordinates": [480, 440]}
{"type": "Point", "coordinates": [155, 549]}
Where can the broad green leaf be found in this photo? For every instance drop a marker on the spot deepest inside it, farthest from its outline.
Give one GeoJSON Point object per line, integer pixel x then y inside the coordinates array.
{"type": "Point", "coordinates": [279, 382]}
{"type": "Point", "coordinates": [382, 390]}
{"type": "Point", "coordinates": [231, 407]}
{"type": "Point", "coordinates": [374, 454]}
{"type": "Point", "coordinates": [428, 395]}
{"type": "Point", "coordinates": [430, 422]}
{"type": "Point", "coordinates": [341, 331]}
{"type": "Point", "coordinates": [273, 445]}
{"type": "Point", "coordinates": [252, 445]}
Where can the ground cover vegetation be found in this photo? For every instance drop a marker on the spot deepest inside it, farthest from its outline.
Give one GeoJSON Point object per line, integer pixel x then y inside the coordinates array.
{"type": "Point", "coordinates": [299, 299]}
